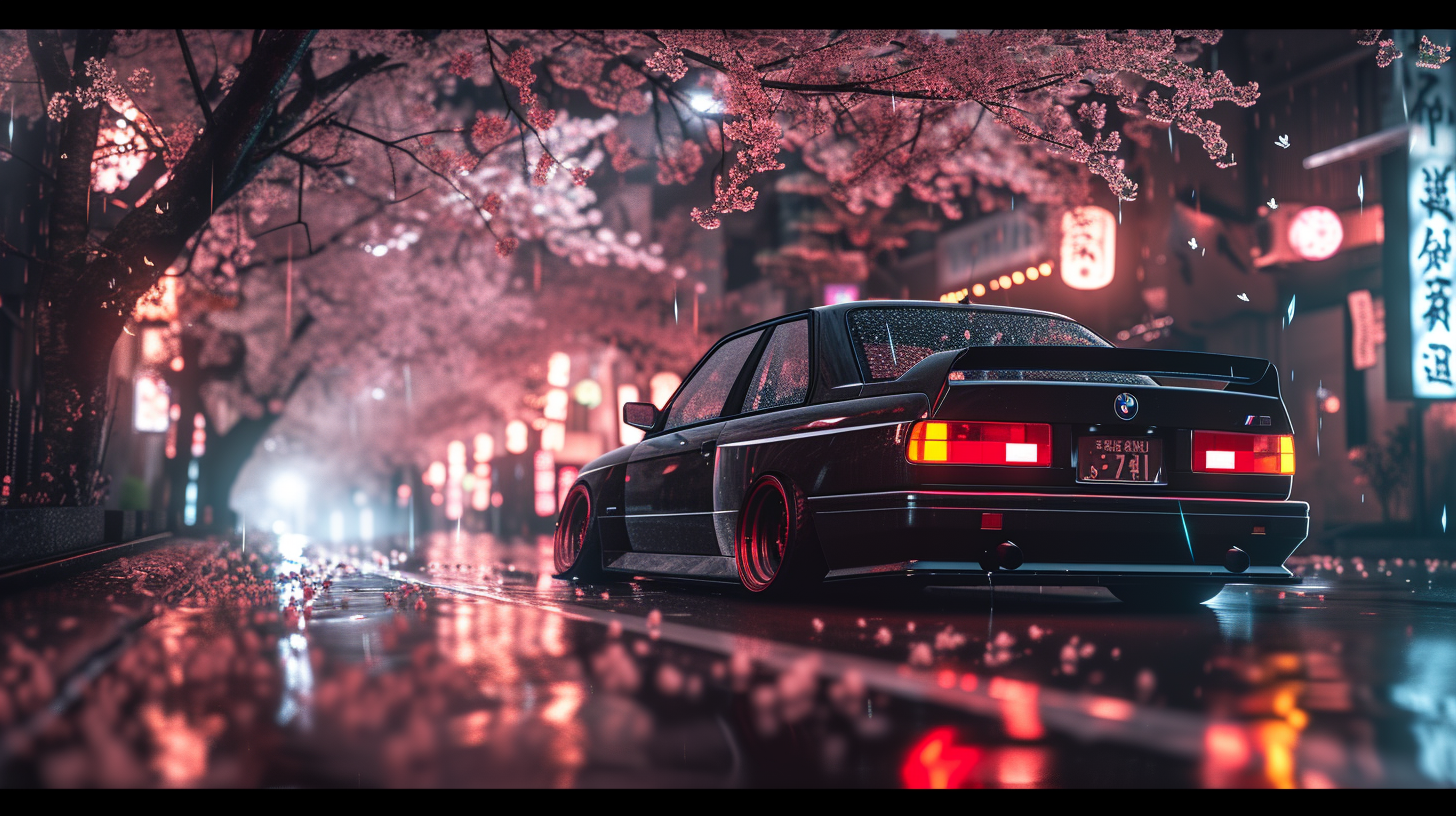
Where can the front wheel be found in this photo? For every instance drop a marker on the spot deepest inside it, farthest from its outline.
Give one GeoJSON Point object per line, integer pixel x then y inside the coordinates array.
{"type": "Point", "coordinates": [1166, 596]}
{"type": "Point", "coordinates": [776, 550]}
{"type": "Point", "coordinates": [577, 551]}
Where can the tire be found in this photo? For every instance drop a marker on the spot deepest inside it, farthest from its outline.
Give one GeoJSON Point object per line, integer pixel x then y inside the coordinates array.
{"type": "Point", "coordinates": [775, 547]}
{"type": "Point", "coordinates": [577, 551]}
{"type": "Point", "coordinates": [1166, 596]}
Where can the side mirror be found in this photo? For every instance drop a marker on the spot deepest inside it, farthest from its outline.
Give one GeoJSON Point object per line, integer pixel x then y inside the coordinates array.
{"type": "Point", "coordinates": [640, 415]}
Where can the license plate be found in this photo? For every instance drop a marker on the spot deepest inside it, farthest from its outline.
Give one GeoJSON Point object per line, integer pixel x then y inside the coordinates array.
{"type": "Point", "coordinates": [1120, 459]}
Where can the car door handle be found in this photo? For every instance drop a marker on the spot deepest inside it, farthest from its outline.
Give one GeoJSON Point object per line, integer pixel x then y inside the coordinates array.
{"type": "Point", "coordinates": [707, 449]}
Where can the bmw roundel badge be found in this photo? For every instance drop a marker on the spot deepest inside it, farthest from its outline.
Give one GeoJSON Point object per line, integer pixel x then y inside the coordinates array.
{"type": "Point", "coordinates": [1125, 406]}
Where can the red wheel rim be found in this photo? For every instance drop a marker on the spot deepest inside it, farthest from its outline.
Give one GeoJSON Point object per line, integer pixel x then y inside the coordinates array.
{"type": "Point", "coordinates": [571, 528]}
{"type": "Point", "coordinates": [763, 534]}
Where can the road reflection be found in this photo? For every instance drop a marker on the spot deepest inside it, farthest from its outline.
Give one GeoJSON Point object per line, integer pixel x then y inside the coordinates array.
{"type": "Point", "coordinates": [1252, 690]}
{"type": "Point", "coordinates": [465, 664]}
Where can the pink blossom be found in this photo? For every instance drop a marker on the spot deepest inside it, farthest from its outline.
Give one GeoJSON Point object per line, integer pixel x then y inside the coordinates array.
{"type": "Point", "coordinates": [488, 131]}
{"type": "Point", "coordinates": [543, 170]}
{"type": "Point", "coordinates": [462, 65]}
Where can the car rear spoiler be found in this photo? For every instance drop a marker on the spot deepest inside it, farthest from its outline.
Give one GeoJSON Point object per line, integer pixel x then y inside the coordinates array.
{"type": "Point", "coordinates": [1246, 374]}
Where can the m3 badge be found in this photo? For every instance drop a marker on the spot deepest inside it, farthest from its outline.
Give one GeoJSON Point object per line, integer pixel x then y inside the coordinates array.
{"type": "Point", "coordinates": [1125, 406]}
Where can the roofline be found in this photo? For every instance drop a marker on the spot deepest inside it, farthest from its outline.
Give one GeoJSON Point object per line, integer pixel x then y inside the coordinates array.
{"type": "Point", "coordinates": [838, 308]}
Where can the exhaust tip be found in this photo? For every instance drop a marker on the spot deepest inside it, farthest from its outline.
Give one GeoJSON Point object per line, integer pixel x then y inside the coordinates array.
{"type": "Point", "coordinates": [1236, 560]}
{"type": "Point", "coordinates": [1008, 556]}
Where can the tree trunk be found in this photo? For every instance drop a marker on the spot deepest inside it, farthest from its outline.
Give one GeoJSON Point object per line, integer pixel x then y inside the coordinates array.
{"type": "Point", "coordinates": [223, 462]}
{"type": "Point", "coordinates": [88, 288]}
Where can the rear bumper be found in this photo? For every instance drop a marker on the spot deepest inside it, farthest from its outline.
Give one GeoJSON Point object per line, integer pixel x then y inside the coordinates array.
{"type": "Point", "coordinates": [1064, 539]}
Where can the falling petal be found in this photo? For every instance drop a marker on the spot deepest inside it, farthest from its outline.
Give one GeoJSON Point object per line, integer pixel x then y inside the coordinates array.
{"type": "Point", "coordinates": [1193, 243]}
{"type": "Point", "coordinates": [1290, 318]}
{"type": "Point", "coordinates": [159, 209]}
{"type": "Point", "coordinates": [1283, 141]}
{"type": "Point", "coordinates": [147, 261]}
{"type": "Point", "coordinates": [1273, 205]}
{"type": "Point", "coordinates": [1244, 297]}
{"type": "Point", "coordinates": [128, 331]}
{"type": "Point", "coordinates": [1443, 518]}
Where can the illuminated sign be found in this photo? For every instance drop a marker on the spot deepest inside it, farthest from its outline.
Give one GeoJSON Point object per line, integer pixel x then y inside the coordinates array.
{"type": "Point", "coordinates": [627, 433]}
{"type": "Point", "coordinates": [1089, 247]}
{"type": "Point", "coordinates": [1429, 222]}
{"type": "Point", "coordinates": [988, 247]}
{"type": "Point", "coordinates": [1316, 233]}
{"type": "Point", "coordinates": [455, 480]}
{"type": "Point", "coordinates": [564, 480]}
{"type": "Point", "coordinates": [663, 384]}
{"type": "Point", "coordinates": [480, 490]}
{"type": "Point", "coordinates": [516, 436]}
{"type": "Point", "coordinates": [153, 399]}
{"type": "Point", "coordinates": [545, 483]}
{"type": "Point", "coordinates": [1367, 328]}
{"type": "Point", "coordinates": [558, 369]}
{"type": "Point", "coordinates": [484, 447]}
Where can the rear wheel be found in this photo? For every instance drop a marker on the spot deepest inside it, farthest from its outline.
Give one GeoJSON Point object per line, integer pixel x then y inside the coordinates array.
{"type": "Point", "coordinates": [776, 550]}
{"type": "Point", "coordinates": [1166, 596]}
{"type": "Point", "coordinates": [577, 553]}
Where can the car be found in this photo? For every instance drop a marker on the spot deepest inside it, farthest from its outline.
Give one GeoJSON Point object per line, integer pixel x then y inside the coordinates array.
{"type": "Point", "coordinates": [949, 444]}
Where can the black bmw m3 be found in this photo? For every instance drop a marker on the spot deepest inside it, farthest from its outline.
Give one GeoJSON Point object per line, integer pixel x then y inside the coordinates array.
{"type": "Point", "coordinates": [947, 444]}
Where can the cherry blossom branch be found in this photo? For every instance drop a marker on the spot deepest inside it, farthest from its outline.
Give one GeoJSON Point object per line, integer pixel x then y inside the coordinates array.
{"type": "Point", "coordinates": [491, 44]}
{"type": "Point", "coordinates": [394, 145]}
{"type": "Point", "coordinates": [307, 234]}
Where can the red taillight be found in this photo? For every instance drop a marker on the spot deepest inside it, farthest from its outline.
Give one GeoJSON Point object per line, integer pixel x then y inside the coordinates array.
{"type": "Point", "coordinates": [981, 443]}
{"type": "Point", "coordinates": [1215, 452]}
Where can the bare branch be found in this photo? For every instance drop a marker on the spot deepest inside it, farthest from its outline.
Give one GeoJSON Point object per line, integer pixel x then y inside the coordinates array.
{"type": "Point", "coordinates": [196, 83]}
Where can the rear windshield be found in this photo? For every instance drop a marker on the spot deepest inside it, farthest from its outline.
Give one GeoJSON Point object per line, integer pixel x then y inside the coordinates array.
{"type": "Point", "coordinates": [889, 340]}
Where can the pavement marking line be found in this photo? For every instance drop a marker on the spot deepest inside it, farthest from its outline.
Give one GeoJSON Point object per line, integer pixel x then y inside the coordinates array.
{"type": "Point", "coordinates": [1082, 715]}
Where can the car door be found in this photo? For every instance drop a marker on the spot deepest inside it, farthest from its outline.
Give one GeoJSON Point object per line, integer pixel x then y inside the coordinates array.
{"type": "Point", "coordinates": [669, 488]}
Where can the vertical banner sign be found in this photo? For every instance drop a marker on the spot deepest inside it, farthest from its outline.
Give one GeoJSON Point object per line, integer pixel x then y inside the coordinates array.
{"type": "Point", "coordinates": [1367, 329]}
{"type": "Point", "coordinates": [1430, 223]}
{"type": "Point", "coordinates": [1089, 247]}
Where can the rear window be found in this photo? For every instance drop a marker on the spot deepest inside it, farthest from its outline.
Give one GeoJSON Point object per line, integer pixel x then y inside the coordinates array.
{"type": "Point", "coordinates": [890, 340]}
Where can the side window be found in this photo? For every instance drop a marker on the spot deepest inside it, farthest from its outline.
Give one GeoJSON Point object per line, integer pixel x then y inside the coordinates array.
{"type": "Point", "coordinates": [702, 397]}
{"type": "Point", "coordinates": [782, 377]}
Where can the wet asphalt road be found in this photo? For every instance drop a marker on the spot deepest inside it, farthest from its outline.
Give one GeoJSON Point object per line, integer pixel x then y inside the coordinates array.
{"type": "Point", "coordinates": [465, 664]}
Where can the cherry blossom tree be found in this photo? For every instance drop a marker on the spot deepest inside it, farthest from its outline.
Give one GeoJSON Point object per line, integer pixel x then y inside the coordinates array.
{"type": "Point", "coordinates": [218, 153]}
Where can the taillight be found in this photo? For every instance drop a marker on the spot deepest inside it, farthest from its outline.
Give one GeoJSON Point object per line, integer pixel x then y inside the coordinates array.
{"type": "Point", "coordinates": [981, 443]}
{"type": "Point", "coordinates": [1215, 452]}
